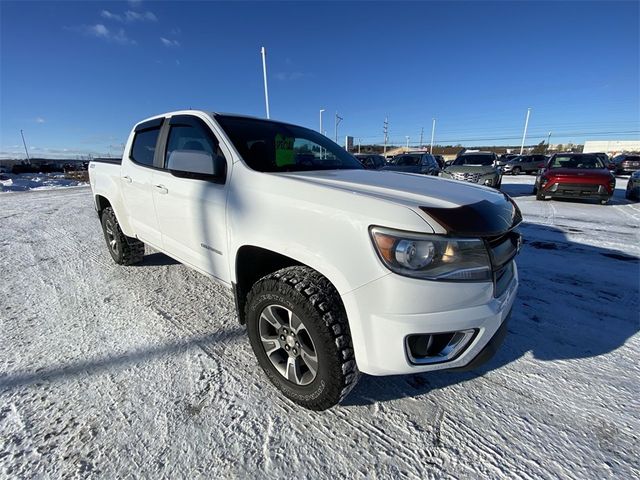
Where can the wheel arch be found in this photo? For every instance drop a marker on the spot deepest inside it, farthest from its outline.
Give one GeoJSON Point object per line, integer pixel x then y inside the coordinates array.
{"type": "Point", "coordinates": [252, 263]}
{"type": "Point", "coordinates": [102, 202]}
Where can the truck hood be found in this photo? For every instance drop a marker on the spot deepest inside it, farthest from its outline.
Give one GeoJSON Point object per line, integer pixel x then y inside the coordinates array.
{"type": "Point", "coordinates": [458, 207]}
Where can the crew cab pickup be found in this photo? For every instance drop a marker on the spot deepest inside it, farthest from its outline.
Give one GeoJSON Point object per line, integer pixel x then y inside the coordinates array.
{"type": "Point", "coordinates": [335, 269]}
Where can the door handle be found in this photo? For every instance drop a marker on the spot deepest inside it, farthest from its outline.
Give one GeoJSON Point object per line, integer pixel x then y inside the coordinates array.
{"type": "Point", "coordinates": [127, 179]}
{"type": "Point", "coordinates": [161, 189]}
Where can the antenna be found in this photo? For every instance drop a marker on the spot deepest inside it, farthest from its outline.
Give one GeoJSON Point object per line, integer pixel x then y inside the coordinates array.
{"type": "Point", "coordinates": [338, 120]}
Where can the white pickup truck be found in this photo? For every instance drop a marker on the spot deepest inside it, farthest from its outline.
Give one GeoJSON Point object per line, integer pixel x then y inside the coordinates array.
{"type": "Point", "coordinates": [335, 269]}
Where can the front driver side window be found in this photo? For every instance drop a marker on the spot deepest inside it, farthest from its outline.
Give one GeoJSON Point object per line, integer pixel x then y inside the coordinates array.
{"type": "Point", "coordinates": [192, 148]}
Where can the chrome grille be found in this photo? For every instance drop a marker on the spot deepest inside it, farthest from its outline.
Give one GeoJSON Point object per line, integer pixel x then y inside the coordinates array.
{"type": "Point", "coordinates": [466, 177]}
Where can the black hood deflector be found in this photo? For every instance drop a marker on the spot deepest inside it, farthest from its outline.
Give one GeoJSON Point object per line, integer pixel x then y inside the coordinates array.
{"type": "Point", "coordinates": [481, 219]}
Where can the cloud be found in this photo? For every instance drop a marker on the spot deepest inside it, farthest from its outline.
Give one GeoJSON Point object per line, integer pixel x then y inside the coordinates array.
{"type": "Point", "coordinates": [110, 16]}
{"type": "Point", "coordinates": [100, 31]}
{"type": "Point", "coordinates": [39, 120]}
{"type": "Point", "coordinates": [291, 76]}
{"type": "Point", "coordinates": [129, 16]}
{"type": "Point", "coordinates": [169, 43]}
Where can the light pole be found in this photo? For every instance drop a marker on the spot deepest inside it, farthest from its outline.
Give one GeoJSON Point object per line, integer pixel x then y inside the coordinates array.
{"type": "Point", "coordinates": [433, 132]}
{"type": "Point", "coordinates": [524, 135]}
{"type": "Point", "coordinates": [386, 136]}
{"type": "Point", "coordinates": [421, 133]}
{"type": "Point", "coordinates": [359, 140]}
{"type": "Point", "coordinates": [548, 140]}
{"type": "Point", "coordinates": [407, 137]}
{"type": "Point", "coordinates": [25, 146]}
{"type": "Point", "coordinates": [321, 110]}
{"type": "Point", "coordinates": [264, 74]}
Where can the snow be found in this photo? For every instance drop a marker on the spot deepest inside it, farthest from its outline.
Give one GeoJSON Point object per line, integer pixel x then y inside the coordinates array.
{"type": "Point", "coordinates": [143, 371]}
{"type": "Point", "coordinates": [36, 181]}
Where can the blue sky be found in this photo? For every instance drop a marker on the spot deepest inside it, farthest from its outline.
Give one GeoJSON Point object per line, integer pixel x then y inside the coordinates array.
{"type": "Point", "coordinates": [75, 76]}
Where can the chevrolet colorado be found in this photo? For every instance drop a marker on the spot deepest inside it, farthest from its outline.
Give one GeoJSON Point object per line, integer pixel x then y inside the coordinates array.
{"type": "Point", "coordinates": [334, 269]}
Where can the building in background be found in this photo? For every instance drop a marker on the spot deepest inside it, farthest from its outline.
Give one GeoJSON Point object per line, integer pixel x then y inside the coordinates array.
{"type": "Point", "coordinates": [611, 146]}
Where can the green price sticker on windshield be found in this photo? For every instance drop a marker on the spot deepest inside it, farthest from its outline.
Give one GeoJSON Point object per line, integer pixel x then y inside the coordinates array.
{"type": "Point", "coordinates": [284, 151]}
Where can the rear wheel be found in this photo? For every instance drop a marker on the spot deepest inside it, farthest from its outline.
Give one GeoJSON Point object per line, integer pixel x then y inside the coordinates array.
{"type": "Point", "coordinates": [124, 250]}
{"type": "Point", "coordinates": [300, 335]}
{"type": "Point", "coordinates": [516, 170]}
{"type": "Point", "coordinates": [540, 195]}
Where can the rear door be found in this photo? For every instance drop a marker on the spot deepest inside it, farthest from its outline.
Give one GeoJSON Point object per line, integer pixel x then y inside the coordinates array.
{"type": "Point", "coordinates": [191, 211]}
{"type": "Point", "coordinates": [136, 175]}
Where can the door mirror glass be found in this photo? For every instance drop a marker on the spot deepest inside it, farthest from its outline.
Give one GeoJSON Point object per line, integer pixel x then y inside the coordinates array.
{"type": "Point", "coordinates": [195, 164]}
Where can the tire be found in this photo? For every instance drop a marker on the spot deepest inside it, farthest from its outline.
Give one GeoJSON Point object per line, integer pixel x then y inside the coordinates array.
{"type": "Point", "coordinates": [604, 202]}
{"type": "Point", "coordinates": [515, 171]}
{"type": "Point", "coordinates": [540, 196]}
{"type": "Point", "coordinates": [302, 306]}
{"type": "Point", "coordinates": [124, 250]}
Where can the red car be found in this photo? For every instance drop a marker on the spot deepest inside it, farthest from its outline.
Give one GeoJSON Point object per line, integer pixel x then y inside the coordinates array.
{"type": "Point", "coordinates": [575, 175]}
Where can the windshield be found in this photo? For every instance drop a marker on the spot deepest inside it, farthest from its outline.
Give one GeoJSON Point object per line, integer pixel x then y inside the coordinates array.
{"type": "Point", "coordinates": [268, 146]}
{"type": "Point", "coordinates": [576, 161]}
{"type": "Point", "coordinates": [474, 160]}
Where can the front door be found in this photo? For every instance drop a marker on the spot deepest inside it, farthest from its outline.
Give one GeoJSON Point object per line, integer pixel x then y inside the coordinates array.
{"type": "Point", "coordinates": [191, 211]}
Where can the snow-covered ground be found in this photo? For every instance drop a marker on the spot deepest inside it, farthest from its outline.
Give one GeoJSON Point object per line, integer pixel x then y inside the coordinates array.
{"type": "Point", "coordinates": [36, 181]}
{"type": "Point", "coordinates": [127, 372]}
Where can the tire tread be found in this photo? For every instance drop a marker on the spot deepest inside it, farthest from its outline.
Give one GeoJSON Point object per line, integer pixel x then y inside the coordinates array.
{"type": "Point", "coordinates": [324, 298]}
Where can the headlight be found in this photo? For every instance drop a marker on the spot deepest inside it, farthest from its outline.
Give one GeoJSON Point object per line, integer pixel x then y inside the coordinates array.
{"type": "Point", "coordinates": [432, 257]}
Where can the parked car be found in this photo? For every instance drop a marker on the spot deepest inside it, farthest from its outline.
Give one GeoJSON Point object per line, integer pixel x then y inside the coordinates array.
{"type": "Point", "coordinates": [575, 175]}
{"type": "Point", "coordinates": [371, 161]}
{"type": "Point", "coordinates": [476, 167]}
{"type": "Point", "coordinates": [627, 163]}
{"type": "Point", "coordinates": [525, 164]}
{"type": "Point", "coordinates": [505, 158]}
{"type": "Point", "coordinates": [608, 161]}
{"type": "Point", "coordinates": [334, 269]}
{"type": "Point", "coordinates": [633, 186]}
{"type": "Point", "coordinates": [4, 169]}
{"type": "Point", "coordinates": [423, 163]}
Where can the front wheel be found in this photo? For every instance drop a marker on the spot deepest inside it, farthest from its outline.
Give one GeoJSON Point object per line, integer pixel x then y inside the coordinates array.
{"type": "Point", "coordinates": [540, 195]}
{"type": "Point", "coordinates": [299, 333]}
{"type": "Point", "coordinates": [516, 171]}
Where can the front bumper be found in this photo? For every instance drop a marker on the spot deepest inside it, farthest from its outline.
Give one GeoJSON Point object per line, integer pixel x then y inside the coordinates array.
{"type": "Point", "coordinates": [385, 312]}
{"type": "Point", "coordinates": [571, 190]}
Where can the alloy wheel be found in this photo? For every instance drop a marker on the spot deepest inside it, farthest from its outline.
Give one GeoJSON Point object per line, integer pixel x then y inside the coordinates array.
{"type": "Point", "coordinates": [288, 344]}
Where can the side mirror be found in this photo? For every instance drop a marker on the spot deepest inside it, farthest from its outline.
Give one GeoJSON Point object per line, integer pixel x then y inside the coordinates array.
{"type": "Point", "coordinates": [196, 164]}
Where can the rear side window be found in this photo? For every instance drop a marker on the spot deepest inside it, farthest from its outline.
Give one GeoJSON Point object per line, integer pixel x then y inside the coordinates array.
{"type": "Point", "coordinates": [144, 146]}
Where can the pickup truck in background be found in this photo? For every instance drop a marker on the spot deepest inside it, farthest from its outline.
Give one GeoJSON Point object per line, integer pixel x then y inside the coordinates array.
{"type": "Point", "coordinates": [335, 269]}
